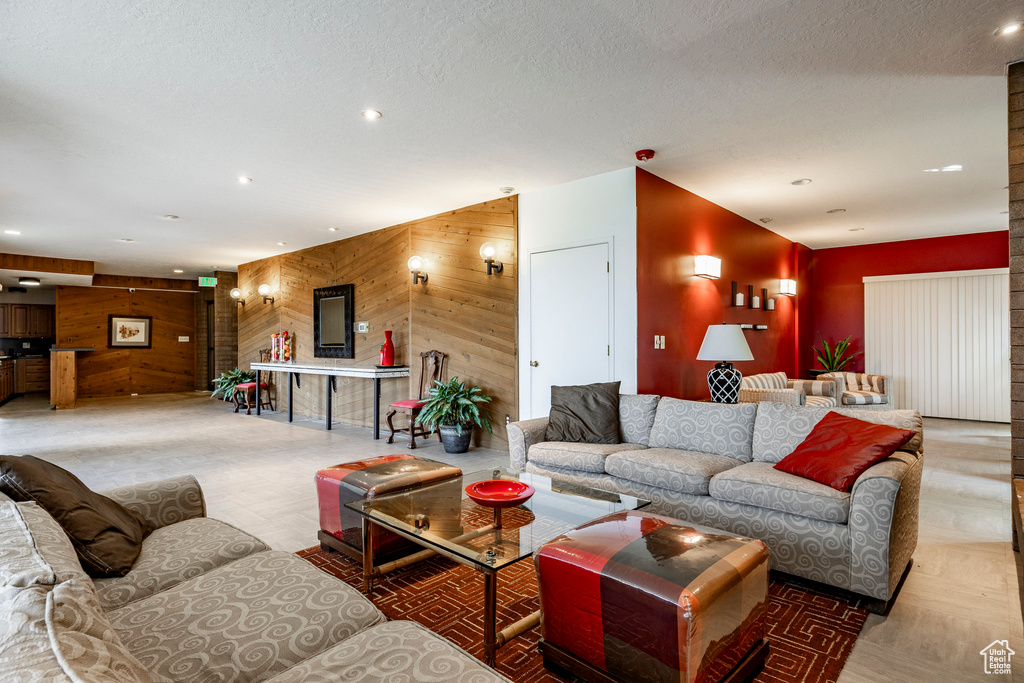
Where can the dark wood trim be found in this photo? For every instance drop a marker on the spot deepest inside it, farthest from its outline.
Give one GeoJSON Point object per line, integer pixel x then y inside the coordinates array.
{"type": "Point", "coordinates": [130, 281]}
{"type": "Point", "coordinates": [46, 264]}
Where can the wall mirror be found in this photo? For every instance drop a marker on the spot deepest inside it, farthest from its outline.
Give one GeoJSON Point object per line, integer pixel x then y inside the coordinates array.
{"type": "Point", "coordinates": [333, 314]}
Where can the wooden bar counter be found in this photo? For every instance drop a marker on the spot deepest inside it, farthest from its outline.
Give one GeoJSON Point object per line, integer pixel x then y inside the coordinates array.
{"type": "Point", "coordinates": [64, 377]}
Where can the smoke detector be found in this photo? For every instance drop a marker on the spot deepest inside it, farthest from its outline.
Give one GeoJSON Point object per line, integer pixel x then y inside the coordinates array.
{"type": "Point", "coordinates": [644, 154]}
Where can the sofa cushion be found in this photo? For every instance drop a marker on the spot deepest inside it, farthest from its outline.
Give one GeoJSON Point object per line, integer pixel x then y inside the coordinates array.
{"type": "Point", "coordinates": [106, 535]}
{"type": "Point", "coordinates": [52, 543]}
{"type": "Point", "coordinates": [839, 449]}
{"type": "Point", "coordinates": [864, 398]}
{"type": "Point", "coordinates": [718, 428]}
{"type": "Point", "coordinates": [669, 468]}
{"type": "Point", "coordinates": [174, 554]}
{"type": "Point", "coordinates": [246, 621]}
{"type": "Point", "coordinates": [21, 563]}
{"type": "Point", "coordinates": [636, 417]}
{"type": "Point", "coordinates": [59, 634]}
{"type": "Point", "coordinates": [761, 485]}
{"type": "Point", "coordinates": [583, 457]}
{"type": "Point", "coordinates": [584, 414]}
{"type": "Point", "coordinates": [392, 651]}
{"type": "Point", "coordinates": [780, 428]}
{"type": "Point", "coordinates": [821, 401]}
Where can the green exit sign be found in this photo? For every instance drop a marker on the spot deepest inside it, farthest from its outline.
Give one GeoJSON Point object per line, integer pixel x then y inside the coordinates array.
{"type": "Point", "coordinates": [207, 282]}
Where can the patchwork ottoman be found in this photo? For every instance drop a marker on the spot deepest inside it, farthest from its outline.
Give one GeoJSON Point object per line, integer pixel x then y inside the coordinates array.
{"type": "Point", "coordinates": [635, 596]}
{"type": "Point", "coordinates": [342, 529]}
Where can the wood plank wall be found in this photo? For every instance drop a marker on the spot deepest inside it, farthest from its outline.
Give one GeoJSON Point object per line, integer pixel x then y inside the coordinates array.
{"type": "Point", "coordinates": [82, 317]}
{"type": "Point", "coordinates": [460, 310]}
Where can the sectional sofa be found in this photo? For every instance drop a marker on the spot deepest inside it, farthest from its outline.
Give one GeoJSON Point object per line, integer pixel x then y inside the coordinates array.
{"type": "Point", "coordinates": [204, 602]}
{"type": "Point", "coordinates": [712, 464]}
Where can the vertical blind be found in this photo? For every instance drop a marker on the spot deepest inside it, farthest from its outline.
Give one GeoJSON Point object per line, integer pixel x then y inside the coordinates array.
{"type": "Point", "coordinates": [944, 340]}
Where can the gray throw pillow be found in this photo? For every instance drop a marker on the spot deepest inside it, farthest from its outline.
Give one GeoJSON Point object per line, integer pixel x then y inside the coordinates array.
{"type": "Point", "coordinates": [584, 414]}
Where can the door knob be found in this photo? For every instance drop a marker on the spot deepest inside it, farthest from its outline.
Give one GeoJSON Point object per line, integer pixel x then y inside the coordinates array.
{"type": "Point", "coordinates": [533, 363]}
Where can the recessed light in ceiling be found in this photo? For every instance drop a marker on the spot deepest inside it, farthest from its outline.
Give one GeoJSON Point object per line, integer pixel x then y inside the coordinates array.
{"type": "Point", "coordinates": [371, 114]}
{"type": "Point", "coordinates": [802, 181]}
{"type": "Point", "coordinates": [332, 229]}
{"type": "Point", "coordinates": [280, 244]}
{"type": "Point", "coordinates": [856, 229]}
{"type": "Point", "coordinates": [506, 190]}
{"type": "Point", "coordinates": [952, 168]}
{"type": "Point", "coordinates": [28, 281]}
{"type": "Point", "coordinates": [170, 217]}
{"type": "Point", "coordinates": [12, 232]}
{"type": "Point", "coordinates": [245, 181]}
{"type": "Point", "coordinates": [178, 270]}
{"type": "Point", "coordinates": [1009, 29]}
{"type": "Point", "coordinates": [836, 211]}
{"type": "Point", "coordinates": [765, 220]}
{"type": "Point", "coordinates": [127, 239]}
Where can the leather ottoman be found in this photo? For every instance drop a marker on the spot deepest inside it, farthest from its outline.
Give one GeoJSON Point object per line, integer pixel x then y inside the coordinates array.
{"type": "Point", "coordinates": [342, 529]}
{"type": "Point", "coordinates": [636, 596]}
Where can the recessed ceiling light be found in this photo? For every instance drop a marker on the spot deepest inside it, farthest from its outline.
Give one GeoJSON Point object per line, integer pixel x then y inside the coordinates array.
{"type": "Point", "coordinates": [127, 239]}
{"type": "Point", "coordinates": [952, 168]}
{"type": "Point", "coordinates": [245, 181]}
{"type": "Point", "coordinates": [836, 211]}
{"type": "Point", "coordinates": [170, 217]}
{"type": "Point", "coordinates": [506, 190]}
{"type": "Point", "coordinates": [332, 229]}
{"type": "Point", "coordinates": [856, 229]}
{"type": "Point", "coordinates": [12, 232]}
{"type": "Point", "coordinates": [1010, 29]}
{"type": "Point", "coordinates": [371, 114]}
{"type": "Point", "coordinates": [765, 220]}
{"type": "Point", "coordinates": [802, 181]}
{"type": "Point", "coordinates": [178, 270]}
{"type": "Point", "coordinates": [280, 244]}
{"type": "Point", "coordinates": [29, 281]}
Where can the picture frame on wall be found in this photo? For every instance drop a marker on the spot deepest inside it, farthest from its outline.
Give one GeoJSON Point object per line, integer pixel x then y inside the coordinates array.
{"type": "Point", "coordinates": [131, 332]}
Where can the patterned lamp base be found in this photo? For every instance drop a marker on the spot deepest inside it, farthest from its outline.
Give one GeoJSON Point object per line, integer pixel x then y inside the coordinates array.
{"type": "Point", "coordinates": [724, 382]}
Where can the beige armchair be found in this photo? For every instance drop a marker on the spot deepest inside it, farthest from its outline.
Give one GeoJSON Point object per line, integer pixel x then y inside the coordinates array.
{"type": "Point", "coordinates": [776, 387]}
{"type": "Point", "coordinates": [861, 390]}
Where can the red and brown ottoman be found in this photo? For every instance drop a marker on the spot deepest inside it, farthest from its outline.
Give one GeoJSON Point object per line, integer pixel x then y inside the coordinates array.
{"type": "Point", "coordinates": [635, 596]}
{"type": "Point", "coordinates": [342, 529]}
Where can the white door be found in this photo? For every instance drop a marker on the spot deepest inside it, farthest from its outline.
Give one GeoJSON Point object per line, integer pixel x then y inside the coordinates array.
{"type": "Point", "coordinates": [944, 339]}
{"type": "Point", "coordinates": [570, 320]}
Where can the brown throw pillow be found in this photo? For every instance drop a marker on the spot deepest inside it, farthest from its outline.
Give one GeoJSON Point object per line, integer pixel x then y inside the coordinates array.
{"type": "Point", "coordinates": [106, 535]}
{"type": "Point", "coordinates": [584, 414]}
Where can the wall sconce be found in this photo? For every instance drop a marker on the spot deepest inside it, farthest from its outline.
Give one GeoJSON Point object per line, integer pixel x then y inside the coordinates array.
{"type": "Point", "coordinates": [416, 268]}
{"type": "Point", "coordinates": [787, 287]}
{"type": "Point", "coordinates": [236, 294]}
{"type": "Point", "coordinates": [487, 252]}
{"type": "Point", "coordinates": [264, 291]}
{"type": "Point", "coordinates": [707, 266]}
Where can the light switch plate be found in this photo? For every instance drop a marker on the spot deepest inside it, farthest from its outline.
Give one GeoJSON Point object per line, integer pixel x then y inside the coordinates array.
{"type": "Point", "coordinates": [26, 345]}
{"type": "Point", "coordinates": [363, 327]}
{"type": "Point", "coordinates": [183, 339]}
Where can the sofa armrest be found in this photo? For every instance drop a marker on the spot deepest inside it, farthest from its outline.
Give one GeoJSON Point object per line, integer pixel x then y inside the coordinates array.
{"type": "Point", "coordinates": [163, 502]}
{"type": "Point", "coordinates": [881, 381]}
{"type": "Point", "coordinates": [836, 377]}
{"type": "Point", "coordinates": [522, 435]}
{"type": "Point", "coordinates": [815, 387]}
{"type": "Point", "coordinates": [884, 523]}
{"type": "Point", "coordinates": [794, 397]}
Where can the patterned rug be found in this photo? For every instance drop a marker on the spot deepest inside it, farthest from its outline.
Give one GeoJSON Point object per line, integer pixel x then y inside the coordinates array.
{"type": "Point", "coordinates": [810, 633]}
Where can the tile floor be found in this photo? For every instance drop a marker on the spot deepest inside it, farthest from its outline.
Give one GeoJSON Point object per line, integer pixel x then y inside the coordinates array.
{"type": "Point", "coordinates": [258, 475]}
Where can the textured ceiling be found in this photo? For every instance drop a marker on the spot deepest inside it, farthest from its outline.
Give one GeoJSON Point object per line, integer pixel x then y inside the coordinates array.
{"type": "Point", "coordinates": [114, 113]}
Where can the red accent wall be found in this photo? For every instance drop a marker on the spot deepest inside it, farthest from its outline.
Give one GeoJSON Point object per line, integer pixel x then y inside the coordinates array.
{"type": "Point", "coordinates": [838, 292]}
{"type": "Point", "coordinates": [673, 225]}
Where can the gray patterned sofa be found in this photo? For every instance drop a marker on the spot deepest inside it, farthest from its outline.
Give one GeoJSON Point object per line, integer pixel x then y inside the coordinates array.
{"type": "Point", "coordinates": [204, 602]}
{"type": "Point", "coordinates": [711, 464]}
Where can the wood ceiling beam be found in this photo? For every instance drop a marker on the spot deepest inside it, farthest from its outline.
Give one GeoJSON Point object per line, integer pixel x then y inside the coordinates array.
{"type": "Point", "coordinates": [46, 264]}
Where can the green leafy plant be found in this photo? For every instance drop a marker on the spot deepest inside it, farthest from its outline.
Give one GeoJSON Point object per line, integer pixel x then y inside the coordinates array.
{"type": "Point", "coordinates": [229, 380]}
{"type": "Point", "coordinates": [834, 358]}
{"type": "Point", "coordinates": [452, 403]}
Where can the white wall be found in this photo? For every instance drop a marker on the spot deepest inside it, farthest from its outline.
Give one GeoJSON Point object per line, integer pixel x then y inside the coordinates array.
{"type": "Point", "coordinates": [40, 295]}
{"type": "Point", "coordinates": [602, 206]}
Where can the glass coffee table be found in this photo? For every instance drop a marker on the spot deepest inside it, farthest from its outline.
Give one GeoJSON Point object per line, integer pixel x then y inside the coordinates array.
{"type": "Point", "coordinates": [443, 520]}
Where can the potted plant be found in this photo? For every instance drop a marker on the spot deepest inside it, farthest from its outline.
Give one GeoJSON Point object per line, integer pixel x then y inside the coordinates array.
{"type": "Point", "coordinates": [453, 408]}
{"type": "Point", "coordinates": [229, 380]}
{"type": "Point", "coordinates": [834, 358]}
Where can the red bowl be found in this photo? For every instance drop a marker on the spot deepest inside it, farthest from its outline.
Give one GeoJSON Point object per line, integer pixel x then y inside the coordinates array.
{"type": "Point", "coordinates": [500, 493]}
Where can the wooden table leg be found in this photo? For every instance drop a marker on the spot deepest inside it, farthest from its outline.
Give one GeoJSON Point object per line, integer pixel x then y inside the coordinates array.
{"type": "Point", "coordinates": [490, 617]}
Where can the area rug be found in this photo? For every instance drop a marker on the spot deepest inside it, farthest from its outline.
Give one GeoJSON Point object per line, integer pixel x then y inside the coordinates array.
{"type": "Point", "coordinates": [810, 633]}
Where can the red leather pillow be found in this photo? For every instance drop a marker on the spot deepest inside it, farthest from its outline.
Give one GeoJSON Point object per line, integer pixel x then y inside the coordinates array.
{"type": "Point", "coordinates": [839, 449]}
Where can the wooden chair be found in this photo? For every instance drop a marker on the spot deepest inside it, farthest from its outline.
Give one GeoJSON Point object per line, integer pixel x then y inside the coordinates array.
{"type": "Point", "coordinates": [245, 393]}
{"type": "Point", "coordinates": [431, 369]}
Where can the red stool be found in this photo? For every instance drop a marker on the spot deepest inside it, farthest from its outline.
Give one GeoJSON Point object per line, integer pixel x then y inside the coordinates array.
{"type": "Point", "coordinates": [341, 529]}
{"type": "Point", "coordinates": [637, 596]}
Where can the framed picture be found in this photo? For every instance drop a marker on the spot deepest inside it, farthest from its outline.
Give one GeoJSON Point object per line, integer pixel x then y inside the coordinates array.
{"type": "Point", "coordinates": [130, 332]}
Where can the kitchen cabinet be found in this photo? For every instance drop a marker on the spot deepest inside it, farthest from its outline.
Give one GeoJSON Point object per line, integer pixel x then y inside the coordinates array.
{"type": "Point", "coordinates": [6, 380]}
{"type": "Point", "coordinates": [27, 320]}
{"type": "Point", "coordinates": [20, 320]}
{"type": "Point", "coordinates": [37, 374]}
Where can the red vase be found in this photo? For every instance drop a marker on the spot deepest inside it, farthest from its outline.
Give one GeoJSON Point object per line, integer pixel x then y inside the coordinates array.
{"type": "Point", "coordinates": [387, 351]}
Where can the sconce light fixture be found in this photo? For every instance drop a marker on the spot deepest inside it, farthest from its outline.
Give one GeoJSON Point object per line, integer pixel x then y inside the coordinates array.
{"type": "Point", "coordinates": [415, 264]}
{"type": "Point", "coordinates": [236, 294]}
{"type": "Point", "coordinates": [707, 266]}
{"type": "Point", "coordinates": [787, 287]}
{"type": "Point", "coordinates": [264, 291]}
{"type": "Point", "coordinates": [487, 253]}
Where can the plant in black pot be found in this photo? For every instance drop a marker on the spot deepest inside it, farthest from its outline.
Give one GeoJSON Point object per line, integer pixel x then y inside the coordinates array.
{"type": "Point", "coordinates": [834, 358]}
{"type": "Point", "coordinates": [454, 409]}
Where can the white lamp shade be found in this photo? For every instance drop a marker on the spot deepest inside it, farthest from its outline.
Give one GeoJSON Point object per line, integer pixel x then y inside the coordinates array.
{"type": "Point", "coordinates": [236, 293]}
{"type": "Point", "coordinates": [707, 266]}
{"type": "Point", "coordinates": [787, 287]}
{"type": "Point", "coordinates": [415, 263]}
{"type": "Point", "coordinates": [488, 250]}
{"type": "Point", "coordinates": [724, 343]}
{"type": "Point", "coordinates": [264, 290]}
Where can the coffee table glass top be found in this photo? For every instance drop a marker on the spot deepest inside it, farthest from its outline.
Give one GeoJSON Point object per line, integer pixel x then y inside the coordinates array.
{"type": "Point", "coordinates": [441, 517]}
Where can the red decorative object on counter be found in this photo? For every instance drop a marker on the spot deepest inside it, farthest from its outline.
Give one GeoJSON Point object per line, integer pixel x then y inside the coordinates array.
{"type": "Point", "coordinates": [387, 351]}
{"type": "Point", "coordinates": [500, 493]}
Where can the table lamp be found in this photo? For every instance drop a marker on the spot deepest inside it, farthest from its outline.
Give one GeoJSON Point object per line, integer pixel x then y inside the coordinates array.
{"type": "Point", "coordinates": [724, 343]}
